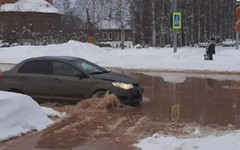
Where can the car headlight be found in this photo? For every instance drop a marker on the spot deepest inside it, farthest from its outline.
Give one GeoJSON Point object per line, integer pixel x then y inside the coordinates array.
{"type": "Point", "coordinates": [122, 85]}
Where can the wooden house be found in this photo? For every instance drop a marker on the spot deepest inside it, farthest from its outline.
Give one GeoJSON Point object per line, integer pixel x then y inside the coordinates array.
{"type": "Point", "coordinates": [111, 32]}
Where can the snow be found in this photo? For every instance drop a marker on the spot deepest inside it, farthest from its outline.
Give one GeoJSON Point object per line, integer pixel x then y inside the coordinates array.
{"type": "Point", "coordinates": [41, 6]}
{"type": "Point", "coordinates": [160, 142]}
{"type": "Point", "coordinates": [53, 113]}
{"type": "Point", "coordinates": [112, 24]}
{"type": "Point", "coordinates": [20, 114]}
{"type": "Point", "coordinates": [186, 58]}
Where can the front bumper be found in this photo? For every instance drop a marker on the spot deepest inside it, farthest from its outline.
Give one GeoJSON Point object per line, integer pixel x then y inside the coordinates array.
{"type": "Point", "coordinates": [132, 96]}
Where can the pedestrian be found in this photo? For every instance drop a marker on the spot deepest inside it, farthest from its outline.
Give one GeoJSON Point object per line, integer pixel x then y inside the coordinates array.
{"type": "Point", "coordinates": [211, 49]}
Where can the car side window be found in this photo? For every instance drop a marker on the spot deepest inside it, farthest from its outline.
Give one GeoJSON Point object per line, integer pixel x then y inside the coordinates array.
{"type": "Point", "coordinates": [36, 67]}
{"type": "Point", "coordinates": [63, 69]}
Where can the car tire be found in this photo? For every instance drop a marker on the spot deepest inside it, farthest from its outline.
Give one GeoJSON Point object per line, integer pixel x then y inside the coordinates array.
{"type": "Point", "coordinates": [99, 94]}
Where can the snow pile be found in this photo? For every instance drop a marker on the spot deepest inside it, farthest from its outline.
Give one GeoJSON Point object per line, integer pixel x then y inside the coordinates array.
{"type": "Point", "coordinates": [14, 55]}
{"type": "Point", "coordinates": [20, 114]}
{"type": "Point", "coordinates": [159, 142]}
{"type": "Point", "coordinates": [53, 113]}
{"type": "Point", "coordinates": [186, 58]}
{"type": "Point", "coordinates": [29, 6]}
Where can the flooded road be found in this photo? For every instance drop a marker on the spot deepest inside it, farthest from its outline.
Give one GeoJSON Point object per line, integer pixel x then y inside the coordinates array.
{"type": "Point", "coordinates": [174, 104]}
{"type": "Point", "coordinates": [204, 99]}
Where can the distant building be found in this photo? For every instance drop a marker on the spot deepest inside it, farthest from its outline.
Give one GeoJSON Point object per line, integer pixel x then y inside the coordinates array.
{"type": "Point", "coordinates": [32, 15]}
{"type": "Point", "coordinates": [110, 33]}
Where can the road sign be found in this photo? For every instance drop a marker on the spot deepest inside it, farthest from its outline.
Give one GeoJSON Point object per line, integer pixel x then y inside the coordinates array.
{"type": "Point", "coordinates": [177, 20]}
{"type": "Point", "coordinates": [237, 16]}
{"type": "Point", "coordinates": [175, 112]}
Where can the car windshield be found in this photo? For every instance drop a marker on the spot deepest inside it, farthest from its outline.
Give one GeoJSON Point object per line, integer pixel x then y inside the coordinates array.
{"type": "Point", "coordinates": [89, 67]}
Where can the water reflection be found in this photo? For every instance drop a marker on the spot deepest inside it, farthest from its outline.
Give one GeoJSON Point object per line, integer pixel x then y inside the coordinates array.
{"type": "Point", "coordinates": [202, 100]}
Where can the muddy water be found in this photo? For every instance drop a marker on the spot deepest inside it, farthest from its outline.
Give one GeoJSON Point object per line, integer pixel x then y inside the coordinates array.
{"type": "Point", "coordinates": [204, 99]}
{"type": "Point", "coordinates": [104, 125]}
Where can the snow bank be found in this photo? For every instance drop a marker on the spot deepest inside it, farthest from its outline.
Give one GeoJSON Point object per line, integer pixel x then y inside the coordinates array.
{"type": "Point", "coordinates": [53, 113]}
{"type": "Point", "coordinates": [159, 142]}
{"type": "Point", "coordinates": [72, 48]}
{"type": "Point", "coordinates": [186, 58]}
{"type": "Point", "coordinates": [20, 114]}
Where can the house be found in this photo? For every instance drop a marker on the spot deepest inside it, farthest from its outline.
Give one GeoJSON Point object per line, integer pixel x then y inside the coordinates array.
{"type": "Point", "coordinates": [37, 16]}
{"type": "Point", "coordinates": [111, 32]}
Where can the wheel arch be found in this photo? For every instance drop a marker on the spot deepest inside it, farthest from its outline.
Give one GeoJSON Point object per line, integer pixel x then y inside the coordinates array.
{"type": "Point", "coordinates": [16, 90]}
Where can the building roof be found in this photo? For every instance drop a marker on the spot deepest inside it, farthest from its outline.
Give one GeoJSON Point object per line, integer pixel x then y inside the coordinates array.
{"type": "Point", "coordinates": [112, 24]}
{"type": "Point", "coordinates": [41, 6]}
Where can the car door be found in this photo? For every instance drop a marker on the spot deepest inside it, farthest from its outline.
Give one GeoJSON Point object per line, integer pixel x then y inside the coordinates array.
{"type": "Point", "coordinates": [67, 83]}
{"type": "Point", "coordinates": [34, 79]}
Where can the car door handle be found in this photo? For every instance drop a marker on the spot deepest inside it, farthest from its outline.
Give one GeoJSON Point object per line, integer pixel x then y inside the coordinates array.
{"type": "Point", "coordinates": [22, 78]}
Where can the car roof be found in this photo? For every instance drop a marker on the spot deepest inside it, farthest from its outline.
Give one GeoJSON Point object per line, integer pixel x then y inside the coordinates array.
{"type": "Point", "coordinates": [64, 58]}
{"type": "Point", "coordinates": [67, 59]}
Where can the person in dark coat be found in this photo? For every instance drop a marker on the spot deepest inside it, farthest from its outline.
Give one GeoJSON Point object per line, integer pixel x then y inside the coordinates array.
{"type": "Point", "coordinates": [211, 49]}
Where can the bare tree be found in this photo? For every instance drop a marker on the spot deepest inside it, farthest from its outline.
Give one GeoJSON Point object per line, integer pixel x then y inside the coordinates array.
{"type": "Point", "coordinates": [153, 24]}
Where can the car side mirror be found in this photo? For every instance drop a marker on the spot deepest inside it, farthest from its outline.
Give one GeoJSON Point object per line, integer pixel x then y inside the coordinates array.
{"type": "Point", "coordinates": [81, 75]}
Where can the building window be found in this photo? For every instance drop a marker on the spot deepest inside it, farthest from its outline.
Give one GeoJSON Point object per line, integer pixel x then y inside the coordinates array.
{"type": "Point", "coordinates": [117, 36]}
{"type": "Point", "coordinates": [105, 35]}
{"type": "Point", "coordinates": [110, 35]}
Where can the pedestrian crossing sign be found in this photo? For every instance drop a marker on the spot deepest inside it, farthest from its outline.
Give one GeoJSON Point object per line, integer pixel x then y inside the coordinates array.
{"type": "Point", "coordinates": [177, 20]}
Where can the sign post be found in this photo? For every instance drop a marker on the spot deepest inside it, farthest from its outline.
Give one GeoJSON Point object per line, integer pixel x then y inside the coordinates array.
{"type": "Point", "coordinates": [176, 23]}
{"type": "Point", "coordinates": [237, 23]}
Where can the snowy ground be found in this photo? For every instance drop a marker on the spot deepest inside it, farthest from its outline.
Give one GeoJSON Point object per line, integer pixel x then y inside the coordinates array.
{"type": "Point", "coordinates": [189, 58]}
{"type": "Point", "coordinates": [160, 142]}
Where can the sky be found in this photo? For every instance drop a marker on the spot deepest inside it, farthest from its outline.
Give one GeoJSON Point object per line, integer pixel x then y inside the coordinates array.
{"type": "Point", "coordinates": [186, 58]}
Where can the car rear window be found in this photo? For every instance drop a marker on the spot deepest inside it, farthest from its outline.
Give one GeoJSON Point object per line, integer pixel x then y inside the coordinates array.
{"type": "Point", "coordinates": [37, 67]}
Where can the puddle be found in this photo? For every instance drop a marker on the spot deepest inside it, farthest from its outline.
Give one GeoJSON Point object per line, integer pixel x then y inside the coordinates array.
{"type": "Point", "coordinates": [206, 104]}
{"type": "Point", "coordinates": [204, 99]}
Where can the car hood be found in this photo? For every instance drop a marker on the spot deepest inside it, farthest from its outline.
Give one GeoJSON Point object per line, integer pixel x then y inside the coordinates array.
{"type": "Point", "coordinates": [112, 76]}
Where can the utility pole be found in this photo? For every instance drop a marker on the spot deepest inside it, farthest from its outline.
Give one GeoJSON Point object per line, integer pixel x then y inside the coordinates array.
{"type": "Point", "coordinates": [153, 25]}
{"type": "Point", "coordinates": [122, 24]}
{"type": "Point", "coordinates": [237, 40]}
